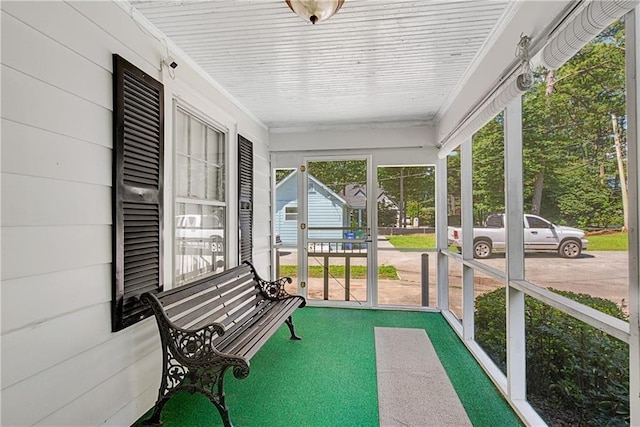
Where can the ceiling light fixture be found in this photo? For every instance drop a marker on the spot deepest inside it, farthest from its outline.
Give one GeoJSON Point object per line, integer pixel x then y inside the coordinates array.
{"type": "Point", "coordinates": [315, 10]}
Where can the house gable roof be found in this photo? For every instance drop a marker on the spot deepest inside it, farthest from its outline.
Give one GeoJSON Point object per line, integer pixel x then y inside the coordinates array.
{"type": "Point", "coordinates": [317, 182]}
{"type": "Point", "coordinates": [356, 196]}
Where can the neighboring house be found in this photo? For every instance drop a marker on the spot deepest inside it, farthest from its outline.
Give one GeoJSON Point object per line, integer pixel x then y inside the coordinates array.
{"type": "Point", "coordinates": [326, 209]}
{"type": "Point", "coordinates": [356, 197]}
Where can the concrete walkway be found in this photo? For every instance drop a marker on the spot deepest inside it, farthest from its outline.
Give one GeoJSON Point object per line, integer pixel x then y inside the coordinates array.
{"type": "Point", "coordinates": [413, 387]}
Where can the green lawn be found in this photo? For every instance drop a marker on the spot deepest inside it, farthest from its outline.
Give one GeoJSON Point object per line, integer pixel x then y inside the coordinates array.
{"type": "Point", "coordinates": [602, 242]}
{"type": "Point", "coordinates": [357, 271]}
{"type": "Point", "coordinates": [413, 241]}
{"type": "Point", "coordinates": [608, 242]}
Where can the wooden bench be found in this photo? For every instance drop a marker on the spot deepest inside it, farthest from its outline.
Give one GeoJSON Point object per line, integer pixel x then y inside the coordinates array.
{"type": "Point", "coordinates": [214, 324]}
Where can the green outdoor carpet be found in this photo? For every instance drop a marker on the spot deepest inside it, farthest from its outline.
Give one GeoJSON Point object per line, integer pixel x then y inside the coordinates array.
{"type": "Point", "coordinates": [329, 378]}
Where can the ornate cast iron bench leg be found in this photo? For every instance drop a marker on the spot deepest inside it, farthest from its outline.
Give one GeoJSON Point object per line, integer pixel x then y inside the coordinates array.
{"type": "Point", "coordinates": [289, 323]}
{"type": "Point", "coordinates": [154, 420]}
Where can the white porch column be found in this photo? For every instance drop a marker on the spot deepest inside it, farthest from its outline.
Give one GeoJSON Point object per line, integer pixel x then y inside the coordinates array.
{"type": "Point", "coordinates": [441, 235]}
{"type": "Point", "coordinates": [466, 185]}
{"type": "Point", "coordinates": [633, 177]}
{"type": "Point", "coordinates": [516, 355]}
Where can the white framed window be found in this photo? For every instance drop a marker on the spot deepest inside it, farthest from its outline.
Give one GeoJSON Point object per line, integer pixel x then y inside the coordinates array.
{"type": "Point", "coordinates": [200, 197]}
{"type": "Point", "coordinates": [291, 213]}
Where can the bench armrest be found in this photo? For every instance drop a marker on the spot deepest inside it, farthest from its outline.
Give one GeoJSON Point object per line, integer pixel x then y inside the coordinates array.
{"type": "Point", "coordinates": [187, 346]}
{"type": "Point", "coordinates": [195, 349]}
{"type": "Point", "coordinates": [273, 289]}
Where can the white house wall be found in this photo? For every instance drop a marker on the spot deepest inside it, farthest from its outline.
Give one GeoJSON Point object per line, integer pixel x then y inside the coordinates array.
{"type": "Point", "coordinates": [262, 205]}
{"type": "Point", "coordinates": [61, 364]}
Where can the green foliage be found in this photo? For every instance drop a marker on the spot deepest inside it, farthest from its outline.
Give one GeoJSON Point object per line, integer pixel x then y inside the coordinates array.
{"type": "Point", "coordinates": [282, 174]}
{"type": "Point", "coordinates": [582, 200]}
{"type": "Point", "coordinates": [416, 182]}
{"type": "Point", "coordinates": [357, 271]}
{"type": "Point", "coordinates": [412, 190]}
{"type": "Point", "coordinates": [337, 174]}
{"type": "Point", "coordinates": [576, 374]}
{"type": "Point", "coordinates": [570, 167]}
{"type": "Point", "coordinates": [387, 215]}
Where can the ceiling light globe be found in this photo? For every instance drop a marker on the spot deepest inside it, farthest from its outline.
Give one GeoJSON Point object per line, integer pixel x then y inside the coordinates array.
{"type": "Point", "coordinates": [315, 11]}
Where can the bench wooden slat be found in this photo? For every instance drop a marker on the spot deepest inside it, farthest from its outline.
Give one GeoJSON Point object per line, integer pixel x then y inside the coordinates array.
{"type": "Point", "coordinates": [241, 316]}
{"type": "Point", "coordinates": [209, 302]}
{"type": "Point", "coordinates": [261, 317]}
{"type": "Point", "coordinates": [211, 293]}
{"type": "Point", "coordinates": [224, 312]}
{"type": "Point", "coordinates": [263, 329]}
{"type": "Point", "coordinates": [239, 321]}
{"type": "Point", "coordinates": [184, 291]}
{"type": "Point", "coordinates": [252, 347]}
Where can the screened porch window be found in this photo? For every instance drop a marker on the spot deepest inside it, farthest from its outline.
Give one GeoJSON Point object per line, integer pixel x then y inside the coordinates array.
{"type": "Point", "coordinates": [200, 200]}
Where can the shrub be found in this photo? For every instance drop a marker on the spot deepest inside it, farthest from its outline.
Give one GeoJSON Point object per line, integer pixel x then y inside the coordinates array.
{"type": "Point", "coordinates": [576, 374]}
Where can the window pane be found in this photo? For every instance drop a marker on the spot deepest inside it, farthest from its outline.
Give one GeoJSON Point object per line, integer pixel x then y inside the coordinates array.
{"type": "Point", "coordinates": [291, 213]}
{"type": "Point", "coordinates": [215, 148]}
{"type": "Point", "coordinates": [196, 137]}
{"type": "Point", "coordinates": [200, 225]}
{"type": "Point", "coordinates": [200, 240]}
{"type": "Point", "coordinates": [197, 179]}
{"type": "Point", "coordinates": [215, 162]}
{"type": "Point", "coordinates": [182, 176]}
{"type": "Point", "coordinates": [215, 183]}
{"type": "Point", "coordinates": [406, 191]}
{"type": "Point", "coordinates": [182, 133]}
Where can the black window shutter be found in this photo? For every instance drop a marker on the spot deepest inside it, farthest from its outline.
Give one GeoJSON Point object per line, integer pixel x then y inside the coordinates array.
{"type": "Point", "coordinates": [245, 194]}
{"type": "Point", "coordinates": [138, 139]}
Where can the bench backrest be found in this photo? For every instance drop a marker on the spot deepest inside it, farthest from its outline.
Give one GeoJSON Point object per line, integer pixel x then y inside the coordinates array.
{"type": "Point", "coordinates": [224, 298]}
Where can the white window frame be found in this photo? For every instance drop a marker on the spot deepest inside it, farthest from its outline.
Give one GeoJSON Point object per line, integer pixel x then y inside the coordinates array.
{"type": "Point", "coordinates": [180, 105]}
{"type": "Point", "coordinates": [288, 216]}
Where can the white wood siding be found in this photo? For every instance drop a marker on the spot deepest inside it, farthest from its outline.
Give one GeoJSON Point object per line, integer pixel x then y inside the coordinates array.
{"type": "Point", "coordinates": [61, 365]}
{"type": "Point", "coordinates": [262, 240]}
{"type": "Point", "coordinates": [324, 210]}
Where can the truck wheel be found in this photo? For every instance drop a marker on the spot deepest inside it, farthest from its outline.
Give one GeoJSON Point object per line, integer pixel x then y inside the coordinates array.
{"type": "Point", "coordinates": [481, 249]}
{"type": "Point", "coordinates": [570, 249]}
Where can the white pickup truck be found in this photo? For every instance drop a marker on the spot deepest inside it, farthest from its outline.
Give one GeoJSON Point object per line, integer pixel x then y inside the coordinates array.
{"type": "Point", "coordinates": [539, 235]}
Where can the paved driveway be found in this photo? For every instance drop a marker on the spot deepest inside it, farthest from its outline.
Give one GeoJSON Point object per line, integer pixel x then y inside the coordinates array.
{"type": "Point", "coordinates": [603, 274]}
{"type": "Point", "coordinates": [598, 273]}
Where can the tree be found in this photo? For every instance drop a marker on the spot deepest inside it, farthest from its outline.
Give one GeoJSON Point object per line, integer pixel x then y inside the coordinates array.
{"type": "Point", "coordinates": [338, 174]}
{"type": "Point", "coordinates": [387, 214]}
{"type": "Point", "coordinates": [408, 186]}
{"type": "Point", "coordinates": [571, 169]}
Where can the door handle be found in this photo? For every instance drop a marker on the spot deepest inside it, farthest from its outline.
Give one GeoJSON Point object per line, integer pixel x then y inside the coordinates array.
{"type": "Point", "coordinates": [534, 232]}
